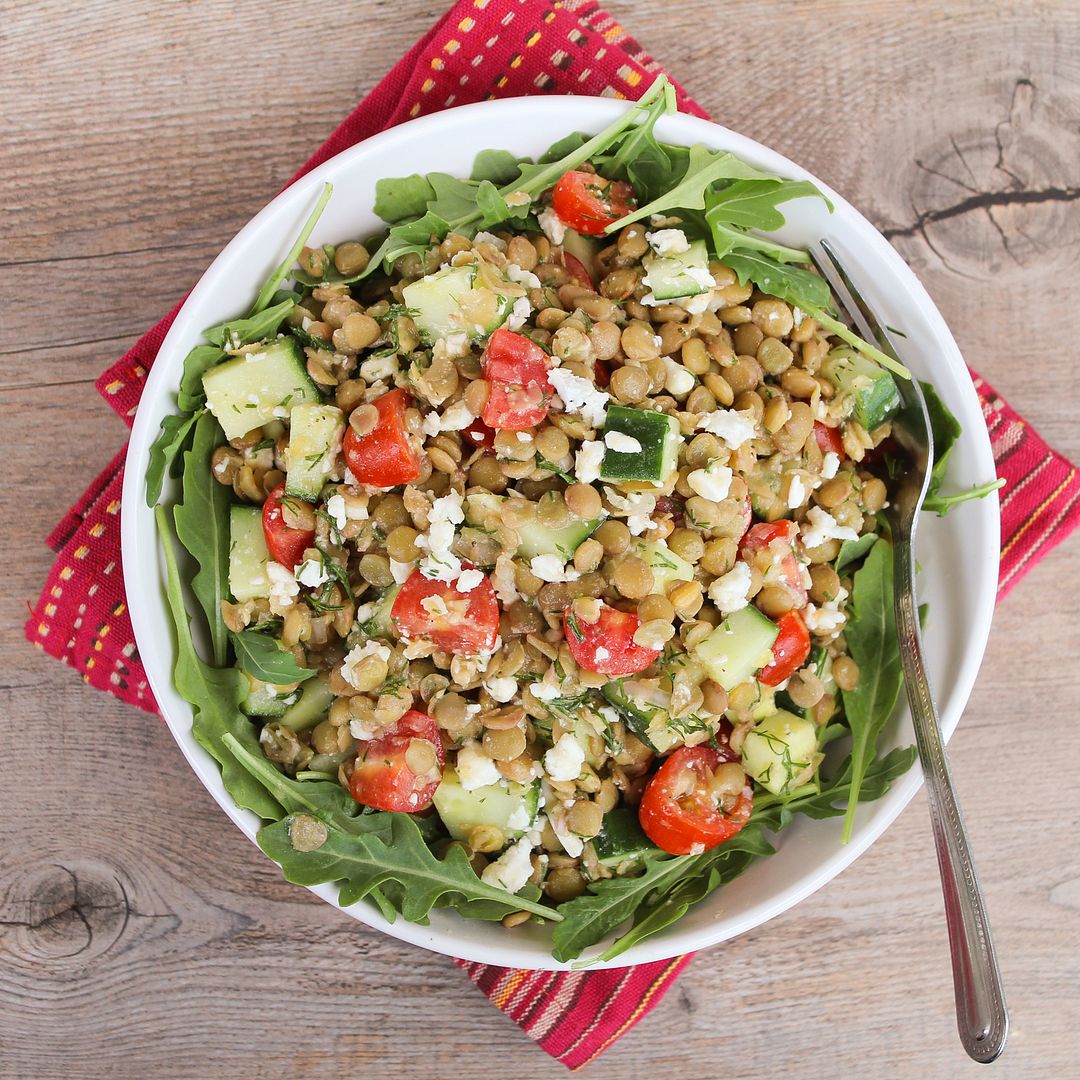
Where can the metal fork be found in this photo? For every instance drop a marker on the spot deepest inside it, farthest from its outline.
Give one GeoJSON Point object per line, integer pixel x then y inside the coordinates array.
{"type": "Point", "coordinates": [981, 1016]}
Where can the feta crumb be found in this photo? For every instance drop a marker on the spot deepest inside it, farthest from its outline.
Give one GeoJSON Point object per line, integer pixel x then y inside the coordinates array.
{"type": "Point", "coordinates": [451, 346]}
{"type": "Point", "coordinates": [430, 426]}
{"type": "Point", "coordinates": [502, 689]}
{"type": "Point", "coordinates": [504, 582]}
{"type": "Point", "coordinates": [638, 507]}
{"type": "Point", "coordinates": [484, 237]}
{"type": "Point", "coordinates": [475, 768]}
{"type": "Point", "coordinates": [524, 437]}
{"type": "Point", "coordinates": [283, 586]}
{"type": "Point", "coordinates": [602, 653]}
{"type": "Point", "coordinates": [728, 592]}
{"type": "Point", "coordinates": [565, 759]}
{"type": "Point", "coordinates": [551, 568]}
{"type": "Point", "coordinates": [520, 818]}
{"type": "Point", "coordinates": [668, 241]}
{"type": "Point", "coordinates": [512, 869]}
{"type": "Point", "coordinates": [358, 654]}
{"type": "Point", "coordinates": [552, 225]}
{"type": "Point", "coordinates": [734, 428]}
{"type": "Point", "coordinates": [679, 380]}
{"type": "Point", "coordinates": [400, 571]}
{"type": "Point", "coordinates": [519, 313]}
{"type": "Point", "coordinates": [469, 580]}
{"type": "Point", "coordinates": [587, 461]}
{"type": "Point", "coordinates": [311, 573]}
{"type": "Point", "coordinates": [435, 606]}
{"type": "Point", "coordinates": [820, 526]}
{"type": "Point", "coordinates": [335, 507]}
{"type": "Point", "coordinates": [622, 443]}
{"type": "Point", "coordinates": [713, 482]}
{"type": "Point", "coordinates": [571, 844]}
{"type": "Point", "coordinates": [379, 367]}
{"type": "Point", "coordinates": [522, 276]}
{"type": "Point", "coordinates": [456, 418]}
{"type": "Point", "coordinates": [830, 464]}
{"type": "Point", "coordinates": [580, 396]}
{"type": "Point", "coordinates": [796, 492]}
{"type": "Point", "coordinates": [544, 691]}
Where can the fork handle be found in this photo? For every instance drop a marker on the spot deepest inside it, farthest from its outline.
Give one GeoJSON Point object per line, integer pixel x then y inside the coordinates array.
{"type": "Point", "coordinates": [981, 1015]}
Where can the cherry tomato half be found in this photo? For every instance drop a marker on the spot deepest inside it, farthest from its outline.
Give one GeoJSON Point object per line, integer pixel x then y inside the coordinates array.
{"type": "Point", "coordinates": [516, 370]}
{"type": "Point", "coordinates": [607, 646]}
{"type": "Point", "coordinates": [285, 544]}
{"type": "Point", "coordinates": [479, 434]}
{"type": "Point", "coordinates": [577, 271]}
{"type": "Point", "coordinates": [829, 439]}
{"type": "Point", "coordinates": [463, 623]}
{"type": "Point", "coordinates": [589, 203]}
{"type": "Point", "coordinates": [384, 457]}
{"type": "Point", "coordinates": [383, 776]}
{"type": "Point", "coordinates": [790, 650]}
{"type": "Point", "coordinates": [680, 811]}
{"type": "Point", "coordinates": [771, 546]}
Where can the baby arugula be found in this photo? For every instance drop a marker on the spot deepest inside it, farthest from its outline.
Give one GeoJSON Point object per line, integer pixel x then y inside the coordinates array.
{"type": "Point", "coordinates": [263, 658]}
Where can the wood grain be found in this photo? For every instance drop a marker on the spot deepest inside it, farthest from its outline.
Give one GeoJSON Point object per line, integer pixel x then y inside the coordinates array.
{"type": "Point", "coordinates": [140, 934]}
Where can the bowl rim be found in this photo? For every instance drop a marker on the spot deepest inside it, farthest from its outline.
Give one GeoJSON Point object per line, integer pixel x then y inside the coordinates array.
{"type": "Point", "coordinates": [141, 556]}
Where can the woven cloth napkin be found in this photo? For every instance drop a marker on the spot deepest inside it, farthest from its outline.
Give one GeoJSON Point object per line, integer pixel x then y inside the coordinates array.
{"type": "Point", "coordinates": [484, 49]}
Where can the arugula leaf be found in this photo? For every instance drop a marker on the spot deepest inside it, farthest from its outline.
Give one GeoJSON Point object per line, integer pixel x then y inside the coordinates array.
{"type": "Point", "coordinates": [284, 268]}
{"type": "Point", "coordinates": [851, 551]}
{"type": "Point", "coordinates": [752, 204]}
{"type": "Point", "coordinates": [197, 362]}
{"type": "Point", "coordinates": [202, 526]}
{"type": "Point", "coordinates": [398, 198]}
{"type": "Point", "coordinates": [942, 504]}
{"type": "Point", "coordinates": [647, 164]}
{"type": "Point", "coordinates": [166, 450]}
{"type": "Point", "coordinates": [873, 645]}
{"type": "Point", "coordinates": [365, 861]}
{"type": "Point", "coordinates": [498, 166]}
{"type": "Point", "coordinates": [262, 324]}
{"type": "Point", "coordinates": [214, 694]}
{"type": "Point", "coordinates": [263, 658]}
{"type": "Point", "coordinates": [798, 287]}
{"type": "Point", "coordinates": [834, 326]}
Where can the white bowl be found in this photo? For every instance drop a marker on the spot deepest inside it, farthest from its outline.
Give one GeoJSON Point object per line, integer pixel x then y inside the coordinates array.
{"type": "Point", "coordinates": [958, 554]}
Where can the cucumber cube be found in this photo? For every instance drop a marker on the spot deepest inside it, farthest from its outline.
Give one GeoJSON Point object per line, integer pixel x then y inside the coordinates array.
{"type": "Point", "coordinates": [781, 752]}
{"type": "Point", "coordinates": [738, 648]}
{"type": "Point", "coordinates": [453, 301]}
{"type": "Point", "coordinates": [666, 566]}
{"type": "Point", "coordinates": [870, 390]}
{"type": "Point", "coordinates": [314, 703]}
{"type": "Point", "coordinates": [315, 433]}
{"type": "Point", "coordinates": [682, 274]}
{"type": "Point", "coordinates": [658, 438]}
{"type": "Point", "coordinates": [248, 556]}
{"type": "Point", "coordinates": [509, 807]}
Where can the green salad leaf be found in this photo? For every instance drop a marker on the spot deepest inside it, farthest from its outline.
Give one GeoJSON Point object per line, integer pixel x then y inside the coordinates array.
{"type": "Point", "coordinates": [165, 453]}
{"type": "Point", "coordinates": [263, 658]}
{"type": "Point", "coordinates": [197, 362]}
{"type": "Point", "coordinates": [500, 167]}
{"type": "Point", "coordinates": [752, 204]}
{"type": "Point", "coordinates": [798, 287]}
{"type": "Point", "coordinates": [262, 324]}
{"type": "Point", "coordinates": [851, 551]}
{"type": "Point", "coordinates": [284, 268]}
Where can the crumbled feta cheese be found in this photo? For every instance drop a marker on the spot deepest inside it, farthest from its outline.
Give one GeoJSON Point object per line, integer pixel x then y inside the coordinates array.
{"type": "Point", "coordinates": [512, 869]}
{"type": "Point", "coordinates": [469, 580]}
{"type": "Point", "coordinates": [735, 428]}
{"type": "Point", "coordinates": [565, 759]}
{"type": "Point", "coordinates": [520, 818]}
{"type": "Point", "coordinates": [638, 507]}
{"type": "Point", "coordinates": [448, 507]}
{"type": "Point", "coordinates": [349, 478]}
{"type": "Point", "coordinates": [503, 580]}
{"type": "Point", "coordinates": [678, 380]}
{"type": "Point", "coordinates": [668, 241]}
{"type": "Point", "coordinates": [484, 237]}
{"type": "Point", "coordinates": [524, 437]}
{"type": "Point", "coordinates": [825, 620]}
{"type": "Point", "coordinates": [430, 426]}
{"type": "Point", "coordinates": [820, 526]}
{"type": "Point", "coordinates": [602, 653]}
{"type": "Point", "coordinates": [400, 571]}
{"type": "Point", "coordinates": [713, 482]}
{"type": "Point", "coordinates": [522, 276]}
{"type": "Point", "coordinates": [798, 315]}
{"type": "Point", "coordinates": [519, 313]}
{"type": "Point", "coordinates": [552, 225]}
{"type": "Point", "coordinates": [440, 563]}
{"type": "Point", "coordinates": [380, 367]}
{"type": "Point", "coordinates": [551, 568]}
{"type": "Point", "coordinates": [830, 464]}
{"type": "Point", "coordinates": [311, 573]}
{"type": "Point", "coordinates": [456, 418]}
{"type": "Point", "coordinates": [335, 507]}
{"type": "Point", "coordinates": [545, 691]}
{"type": "Point", "coordinates": [501, 689]}
{"type": "Point", "coordinates": [358, 654]}
{"type": "Point", "coordinates": [283, 585]}
{"type": "Point", "coordinates": [587, 461]}
{"type": "Point", "coordinates": [796, 492]}
{"type": "Point", "coordinates": [571, 844]}
{"type": "Point", "coordinates": [700, 275]}
{"type": "Point", "coordinates": [728, 592]}
{"type": "Point", "coordinates": [435, 606]}
{"type": "Point", "coordinates": [580, 396]}
{"type": "Point", "coordinates": [622, 443]}
{"type": "Point", "coordinates": [451, 346]}
{"type": "Point", "coordinates": [475, 768]}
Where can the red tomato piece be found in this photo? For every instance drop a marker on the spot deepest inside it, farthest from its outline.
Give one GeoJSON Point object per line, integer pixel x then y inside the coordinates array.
{"type": "Point", "coordinates": [680, 811]}
{"type": "Point", "coordinates": [285, 545]}
{"type": "Point", "coordinates": [778, 565]}
{"type": "Point", "coordinates": [601, 374]}
{"type": "Point", "coordinates": [577, 270]}
{"type": "Point", "coordinates": [829, 439]}
{"type": "Point", "coordinates": [463, 623]}
{"type": "Point", "coordinates": [790, 650]}
{"type": "Point", "coordinates": [607, 646]}
{"type": "Point", "coordinates": [516, 369]}
{"type": "Point", "coordinates": [384, 457]}
{"type": "Point", "coordinates": [383, 776]}
{"type": "Point", "coordinates": [479, 434]}
{"type": "Point", "coordinates": [589, 203]}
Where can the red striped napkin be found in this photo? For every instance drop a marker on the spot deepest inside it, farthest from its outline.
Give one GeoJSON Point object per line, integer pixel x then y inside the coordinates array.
{"type": "Point", "coordinates": [486, 49]}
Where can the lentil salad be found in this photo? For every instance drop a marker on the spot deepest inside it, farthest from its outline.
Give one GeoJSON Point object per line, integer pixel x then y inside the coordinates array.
{"type": "Point", "coordinates": [544, 559]}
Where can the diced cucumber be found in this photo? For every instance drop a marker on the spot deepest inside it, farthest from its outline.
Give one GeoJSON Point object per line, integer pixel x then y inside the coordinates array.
{"type": "Point", "coordinates": [682, 274]}
{"type": "Point", "coordinates": [511, 808]}
{"type": "Point", "coordinates": [380, 624]}
{"type": "Point", "coordinates": [257, 387]}
{"type": "Point", "coordinates": [583, 248]}
{"type": "Point", "coordinates": [781, 752]}
{"type": "Point", "coordinates": [263, 699]}
{"type": "Point", "coordinates": [315, 700]}
{"type": "Point", "coordinates": [869, 389]}
{"type": "Point", "coordinates": [666, 566]}
{"type": "Point", "coordinates": [622, 839]}
{"type": "Point", "coordinates": [535, 539]}
{"type": "Point", "coordinates": [645, 709]}
{"type": "Point", "coordinates": [656, 433]}
{"type": "Point", "coordinates": [247, 554]}
{"type": "Point", "coordinates": [738, 648]}
{"type": "Point", "coordinates": [315, 433]}
{"type": "Point", "coordinates": [448, 301]}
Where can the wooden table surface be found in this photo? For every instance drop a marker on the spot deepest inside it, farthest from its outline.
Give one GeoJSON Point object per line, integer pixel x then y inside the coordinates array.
{"type": "Point", "coordinates": [140, 934]}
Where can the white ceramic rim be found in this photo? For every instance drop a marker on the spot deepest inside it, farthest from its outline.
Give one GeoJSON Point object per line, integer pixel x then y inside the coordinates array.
{"type": "Point", "coordinates": [142, 558]}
